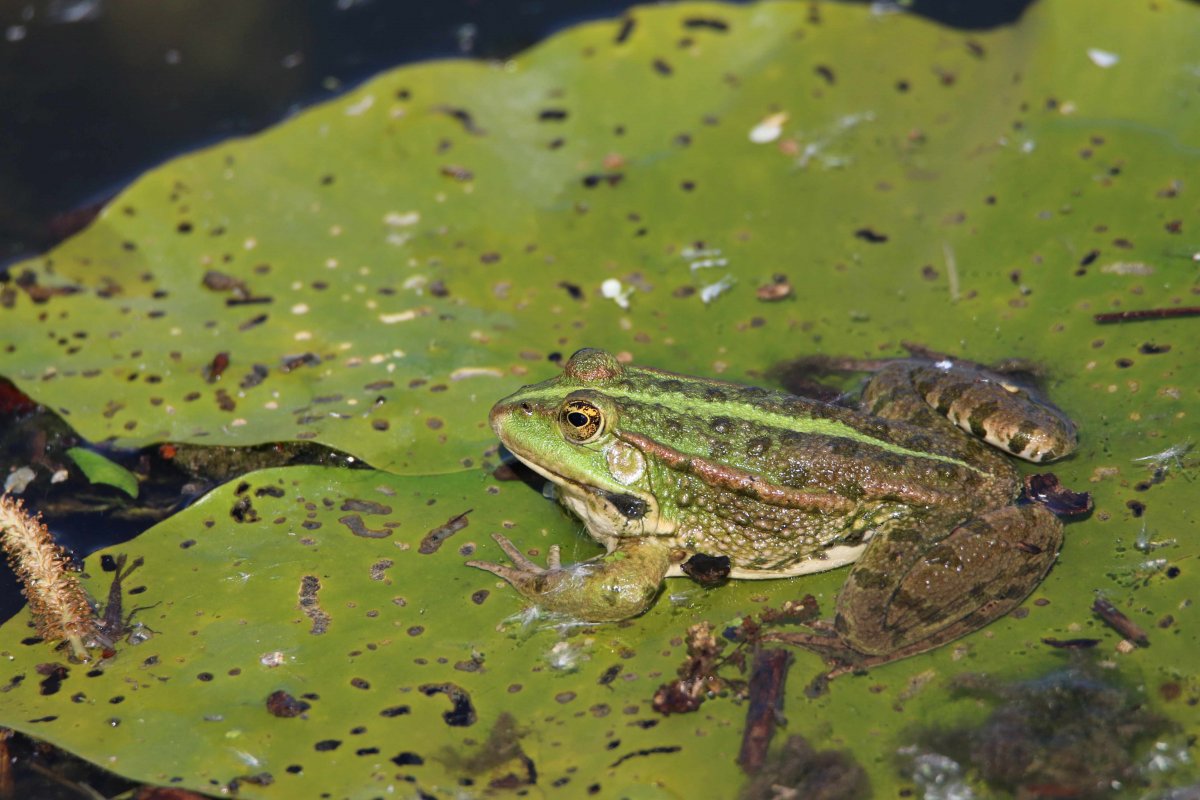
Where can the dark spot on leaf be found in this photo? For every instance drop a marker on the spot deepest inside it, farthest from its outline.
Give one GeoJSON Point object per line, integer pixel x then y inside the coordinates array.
{"type": "Point", "coordinates": [826, 74]}
{"type": "Point", "coordinates": [457, 172]}
{"type": "Point", "coordinates": [243, 511]}
{"type": "Point", "coordinates": [609, 675]}
{"type": "Point", "coordinates": [870, 236]}
{"type": "Point", "coordinates": [310, 585]}
{"type": "Point", "coordinates": [253, 322]}
{"type": "Point", "coordinates": [54, 674]}
{"type": "Point", "coordinates": [552, 115]}
{"type": "Point", "coordinates": [1136, 506]}
{"type": "Point", "coordinates": [707, 23]}
{"type": "Point", "coordinates": [595, 179]}
{"type": "Point", "coordinates": [365, 506]}
{"type": "Point", "coordinates": [626, 29]}
{"type": "Point", "coordinates": [1070, 644]}
{"type": "Point", "coordinates": [433, 540]}
{"type": "Point", "coordinates": [648, 751]}
{"type": "Point", "coordinates": [463, 712]}
{"type": "Point", "coordinates": [662, 67]}
{"type": "Point", "coordinates": [407, 759]}
{"type": "Point", "coordinates": [1151, 349]}
{"type": "Point", "coordinates": [326, 745]}
{"type": "Point", "coordinates": [395, 711]}
{"type": "Point", "coordinates": [283, 704]}
{"type": "Point", "coordinates": [479, 597]}
{"type": "Point", "coordinates": [464, 117]}
{"type": "Point", "coordinates": [358, 527]}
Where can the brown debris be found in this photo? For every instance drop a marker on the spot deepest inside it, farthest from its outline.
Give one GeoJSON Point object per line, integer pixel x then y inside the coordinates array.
{"type": "Point", "coordinates": [1111, 317]}
{"type": "Point", "coordinates": [1120, 623]}
{"type": "Point", "coordinates": [283, 704]}
{"type": "Point", "coordinates": [697, 675]}
{"type": "Point", "coordinates": [765, 709]}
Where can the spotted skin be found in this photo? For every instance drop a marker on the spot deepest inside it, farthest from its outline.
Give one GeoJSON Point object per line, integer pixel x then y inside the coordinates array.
{"type": "Point", "coordinates": [663, 467]}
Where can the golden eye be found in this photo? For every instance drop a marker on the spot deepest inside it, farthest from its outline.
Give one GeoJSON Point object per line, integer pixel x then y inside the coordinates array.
{"type": "Point", "coordinates": [581, 421]}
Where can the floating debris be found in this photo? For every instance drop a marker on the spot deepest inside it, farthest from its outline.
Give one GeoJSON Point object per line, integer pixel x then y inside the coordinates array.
{"type": "Point", "coordinates": [1120, 623]}
{"type": "Point", "coordinates": [770, 129]}
{"type": "Point", "coordinates": [1110, 317]}
{"type": "Point", "coordinates": [613, 289]}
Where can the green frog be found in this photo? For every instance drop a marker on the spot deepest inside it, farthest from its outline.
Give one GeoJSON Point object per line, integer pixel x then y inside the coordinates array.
{"type": "Point", "coordinates": [913, 488]}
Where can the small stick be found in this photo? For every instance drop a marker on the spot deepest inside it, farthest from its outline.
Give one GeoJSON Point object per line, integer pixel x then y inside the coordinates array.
{"type": "Point", "coordinates": [1120, 623]}
{"type": "Point", "coordinates": [1111, 317]}
{"type": "Point", "coordinates": [765, 707]}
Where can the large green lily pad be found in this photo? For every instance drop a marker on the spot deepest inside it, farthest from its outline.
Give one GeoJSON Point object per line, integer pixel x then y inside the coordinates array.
{"type": "Point", "coordinates": [381, 269]}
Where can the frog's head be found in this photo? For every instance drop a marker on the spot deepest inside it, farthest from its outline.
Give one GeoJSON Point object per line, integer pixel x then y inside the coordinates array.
{"type": "Point", "coordinates": [564, 428]}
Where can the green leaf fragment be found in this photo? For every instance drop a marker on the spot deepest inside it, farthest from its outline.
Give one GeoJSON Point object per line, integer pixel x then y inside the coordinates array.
{"type": "Point", "coordinates": [99, 469]}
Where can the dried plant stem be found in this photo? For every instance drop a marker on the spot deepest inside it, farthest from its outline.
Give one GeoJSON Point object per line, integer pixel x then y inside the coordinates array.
{"type": "Point", "coordinates": [57, 601]}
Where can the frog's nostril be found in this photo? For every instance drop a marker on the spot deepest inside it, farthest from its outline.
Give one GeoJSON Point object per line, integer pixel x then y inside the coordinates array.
{"type": "Point", "coordinates": [526, 409]}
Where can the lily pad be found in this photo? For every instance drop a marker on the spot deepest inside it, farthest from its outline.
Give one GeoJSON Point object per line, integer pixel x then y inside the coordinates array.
{"type": "Point", "coordinates": [374, 273]}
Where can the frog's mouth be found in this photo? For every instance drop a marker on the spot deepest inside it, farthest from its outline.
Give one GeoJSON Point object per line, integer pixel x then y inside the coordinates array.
{"type": "Point", "coordinates": [607, 512]}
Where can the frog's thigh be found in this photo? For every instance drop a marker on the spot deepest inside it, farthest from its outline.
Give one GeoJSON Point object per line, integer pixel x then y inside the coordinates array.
{"type": "Point", "coordinates": [912, 591]}
{"type": "Point", "coordinates": [891, 394]}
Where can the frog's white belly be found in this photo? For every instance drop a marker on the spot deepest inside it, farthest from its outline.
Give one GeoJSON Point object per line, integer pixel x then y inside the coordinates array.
{"type": "Point", "coordinates": [833, 558]}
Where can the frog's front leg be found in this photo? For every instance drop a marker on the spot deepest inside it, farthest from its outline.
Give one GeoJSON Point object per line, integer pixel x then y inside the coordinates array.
{"type": "Point", "coordinates": [615, 586]}
{"type": "Point", "coordinates": [911, 592]}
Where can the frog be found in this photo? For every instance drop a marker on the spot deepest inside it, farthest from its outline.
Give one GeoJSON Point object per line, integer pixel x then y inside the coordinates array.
{"type": "Point", "coordinates": [915, 488]}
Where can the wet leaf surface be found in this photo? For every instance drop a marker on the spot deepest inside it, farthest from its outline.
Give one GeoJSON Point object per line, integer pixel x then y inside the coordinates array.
{"type": "Point", "coordinates": [374, 273]}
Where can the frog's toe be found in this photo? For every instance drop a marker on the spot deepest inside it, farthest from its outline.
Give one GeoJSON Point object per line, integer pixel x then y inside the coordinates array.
{"type": "Point", "coordinates": [520, 562]}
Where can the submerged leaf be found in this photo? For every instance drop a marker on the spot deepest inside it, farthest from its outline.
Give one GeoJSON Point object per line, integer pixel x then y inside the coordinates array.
{"type": "Point", "coordinates": [98, 469]}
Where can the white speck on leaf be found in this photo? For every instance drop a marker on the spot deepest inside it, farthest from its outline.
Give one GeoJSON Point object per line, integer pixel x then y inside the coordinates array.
{"type": "Point", "coordinates": [715, 290]}
{"type": "Point", "coordinates": [1102, 58]}
{"type": "Point", "coordinates": [361, 107]}
{"type": "Point", "coordinates": [770, 129]}
{"type": "Point", "coordinates": [612, 289]}
{"type": "Point", "coordinates": [462, 373]}
{"type": "Point", "coordinates": [397, 219]}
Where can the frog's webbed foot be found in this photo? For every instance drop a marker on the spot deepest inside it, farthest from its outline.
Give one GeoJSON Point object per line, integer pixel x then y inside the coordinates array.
{"type": "Point", "coordinates": [613, 587]}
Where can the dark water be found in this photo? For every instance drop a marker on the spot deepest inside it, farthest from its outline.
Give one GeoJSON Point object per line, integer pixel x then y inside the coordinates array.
{"type": "Point", "coordinates": [94, 92]}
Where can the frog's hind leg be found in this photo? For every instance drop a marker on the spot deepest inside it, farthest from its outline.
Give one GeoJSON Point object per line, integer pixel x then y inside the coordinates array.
{"type": "Point", "coordinates": [1007, 414]}
{"type": "Point", "coordinates": [909, 594]}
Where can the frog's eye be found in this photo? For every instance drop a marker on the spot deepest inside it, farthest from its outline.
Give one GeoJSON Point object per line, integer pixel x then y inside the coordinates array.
{"type": "Point", "coordinates": [581, 422]}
